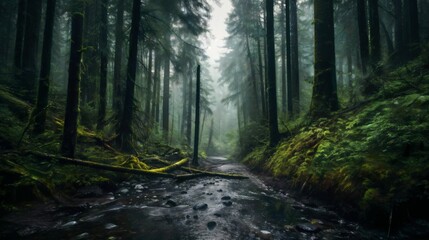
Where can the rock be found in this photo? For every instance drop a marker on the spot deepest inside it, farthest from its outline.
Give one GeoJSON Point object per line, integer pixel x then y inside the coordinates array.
{"type": "Point", "coordinates": [209, 194]}
{"type": "Point", "coordinates": [308, 227]}
{"type": "Point", "coordinates": [195, 217]}
{"type": "Point", "coordinates": [200, 206]}
{"type": "Point", "coordinates": [226, 198]}
{"type": "Point", "coordinates": [227, 203]}
{"type": "Point", "coordinates": [183, 192]}
{"type": "Point", "coordinates": [211, 225]}
{"type": "Point", "coordinates": [217, 215]}
{"type": "Point", "coordinates": [166, 197]}
{"type": "Point", "coordinates": [109, 226]}
{"type": "Point", "coordinates": [139, 187]}
{"type": "Point", "coordinates": [289, 228]}
{"type": "Point", "coordinates": [71, 223]}
{"type": "Point", "coordinates": [220, 190]}
{"type": "Point", "coordinates": [124, 190]}
{"type": "Point", "coordinates": [263, 234]}
{"type": "Point", "coordinates": [82, 235]}
{"type": "Point", "coordinates": [171, 203]}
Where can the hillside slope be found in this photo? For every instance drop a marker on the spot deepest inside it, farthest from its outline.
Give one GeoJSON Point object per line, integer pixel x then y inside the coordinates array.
{"type": "Point", "coordinates": [373, 157]}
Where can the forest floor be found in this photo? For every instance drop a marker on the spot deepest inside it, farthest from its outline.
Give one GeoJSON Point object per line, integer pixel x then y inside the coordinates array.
{"type": "Point", "coordinates": [205, 208]}
{"type": "Point", "coordinates": [370, 159]}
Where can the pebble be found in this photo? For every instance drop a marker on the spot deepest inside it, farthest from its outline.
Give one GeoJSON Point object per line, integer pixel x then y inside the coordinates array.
{"type": "Point", "coordinates": [226, 198]}
{"type": "Point", "coordinates": [227, 203]}
{"type": "Point", "coordinates": [183, 192]}
{"type": "Point", "coordinates": [200, 206]}
{"type": "Point", "coordinates": [82, 235]}
{"type": "Point", "coordinates": [211, 225]}
{"type": "Point", "coordinates": [171, 203]}
{"type": "Point", "coordinates": [124, 190]}
{"type": "Point", "coordinates": [263, 234]}
{"type": "Point", "coordinates": [139, 187]}
{"type": "Point", "coordinates": [307, 227]}
{"type": "Point", "coordinates": [110, 226]}
{"type": "Point", "coordinates": [71, 223]}
{"type": "Point", "coordinates": [220, 190]}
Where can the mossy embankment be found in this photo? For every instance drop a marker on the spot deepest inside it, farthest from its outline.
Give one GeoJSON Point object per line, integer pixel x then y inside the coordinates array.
{"type": "Point", "coordinates": [373, 157]}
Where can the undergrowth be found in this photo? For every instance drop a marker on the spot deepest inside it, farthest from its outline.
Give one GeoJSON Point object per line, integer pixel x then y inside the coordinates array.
{"type": "Point", "coordinates": [375, 156]}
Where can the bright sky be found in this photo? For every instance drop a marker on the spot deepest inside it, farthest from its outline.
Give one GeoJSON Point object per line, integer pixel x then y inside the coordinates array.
{"type": "Point", "coordinates": [217, 26]}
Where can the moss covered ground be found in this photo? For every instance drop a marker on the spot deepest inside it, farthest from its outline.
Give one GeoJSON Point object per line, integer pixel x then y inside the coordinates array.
{"type": "Point", "coordinates": [373, 156]}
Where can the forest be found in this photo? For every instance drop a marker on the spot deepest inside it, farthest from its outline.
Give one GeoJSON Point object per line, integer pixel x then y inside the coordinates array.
{"type": "Point", "coordinates": [214, 119]}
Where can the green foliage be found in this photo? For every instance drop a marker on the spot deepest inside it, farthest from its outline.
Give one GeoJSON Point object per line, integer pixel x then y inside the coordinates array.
{"type": "Point", "coordinates": [375, 154]}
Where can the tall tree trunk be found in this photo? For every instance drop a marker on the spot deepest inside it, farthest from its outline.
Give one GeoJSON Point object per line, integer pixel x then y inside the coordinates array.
{"type": "Point", "coordinates": [289, 62]}
{"type": "Point", "coordinates": [156, 84]}
{"type": "Point", "coordinates": [399, 40]}
{"type": "Point", "coordinates": [209, 144]}
{"type": "Point", "coordinates": [166, 91]}
{"type": "Point", "coordinates": [261, 80]}
{"type": "Point", "coordinates": [117, 76]}
{"type": "Point", "coordinates": [363, 34]}
{"type": "Point", "coordinates": [254, 111]}
{"type": "Point", "coordinates": [324, 99]}
{"type": "Point", "coordinates": [30, 48]}
{"type": "Point", "coordinates": [90, 57]}
{"type": "Point", "coordinates": [103, 66]}
{"type": "Point", "coordinates": [19, 39]}
{"type": "Point", "coordinates": [374, 33]}
{"type": "Point", "coordinates": [68, 144]}
{"type": "Point", "coordinates": [158, 89]}
{"type": "Point", "coordinates": [189, 111]}
{"type": "Point", "coordinates": [197, 117]}
{"type": "Point", "coordinates": [45, 70]}
{"type": "Point", "coordinates": [283, 54]}
{"type": "Point", "coordinates": [389, 41]}
{"type": "Point", "coordinates": [272, 95]}
{"type": "Point", "coordinates": [414, 26]}
{"type": "Point", "coordinates": [184, 105]}
{"type": "Point", "coordinates": [125, 133]}
{"type": "Point", "coordinates": [202, 125]}
{"type": "Point", "coordinates": [149, 86]}
{"type": "Point", "coordinates": [294, 56]}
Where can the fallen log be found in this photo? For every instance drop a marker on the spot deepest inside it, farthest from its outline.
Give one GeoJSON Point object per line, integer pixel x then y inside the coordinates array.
{"type": "Point", "coordinates": [101, 166]}
{"type": "Point", "coordinates": [157, 172]}
{"type": "Point", "coordinates": [198, 172]}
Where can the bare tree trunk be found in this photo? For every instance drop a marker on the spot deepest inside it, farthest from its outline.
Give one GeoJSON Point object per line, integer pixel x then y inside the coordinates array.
{"type": "Point", "coordinates": [118, 84]}
{"type": "Point", "coordinates": [19, 39]}
{"type": "Point", "coordinates": [30, 48]}
{"type": "Point", "coordinates": [103, 67]}
{"type": "Point", "coordinates": [166, 91]}
{"type": "Point", "coordinates": [149, 86]}
{"type": "Point", "coordinates": [68, 144]}
{"type": "Point", "coordinates": [189, 111]}
{"type": "Point", "coordinates": [45, 71]}
{"type": "Point", "coordinates": [125, 134]}
{"type": "Point", "coordinates": [294, 56]}
{"type": "Point", "coordinates": [363, 34]}
{"type": "Point", "coordinates": [272, 95]}
{"type": "Point", "coordinates": [324, 98]}
{"type": "Point", "coordinates": [197, 117]}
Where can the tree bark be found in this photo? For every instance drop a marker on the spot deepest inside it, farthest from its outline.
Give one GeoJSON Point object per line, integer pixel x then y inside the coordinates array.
{"type": "Point", "coordinates": [45, 71]}
{"type": "Point", "coordinates": [125, 133]}
{"type": "Point", "coordinates": [272, 95]}
{"type": "Point", "coordinates": [289, 62]}
{"type": "Point", "coordinates": [283, 54]}
{"type": "Point", "coordinates": [363, 34]}
{"type": "Point", "coordinates": [68, 144]}
{"type": "Point", "coordinates": [19, 39]}
{"type": "Point", "coordinates": [324, 99]}
{"type": "Point", "coordinates": [30, 48]}
{"type": "Point", "coordinates": [149, 86]}
{"type": "Point", "coordinates": [294, 56]}
{"type": "Point", "coordinates": [117, 76]}
{"type": "Point", "coordinates": [414, 26]}
{"type": "Point", "coordinates": [197, 117]}
{"type": "Point", "coordinates": [189, 111]}
{"type": "Point", "coordinates": [166, 91]}
{"type": "Point", "coordinates": [374, 33]}
{"type": "Point", "coordinates": [103, 66]}
{"type": "Point", "coordinates": [399, 40]}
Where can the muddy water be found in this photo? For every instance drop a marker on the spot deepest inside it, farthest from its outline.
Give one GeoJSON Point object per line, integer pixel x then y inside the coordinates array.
{"type": "Point", "coordinates": [204, 208]}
